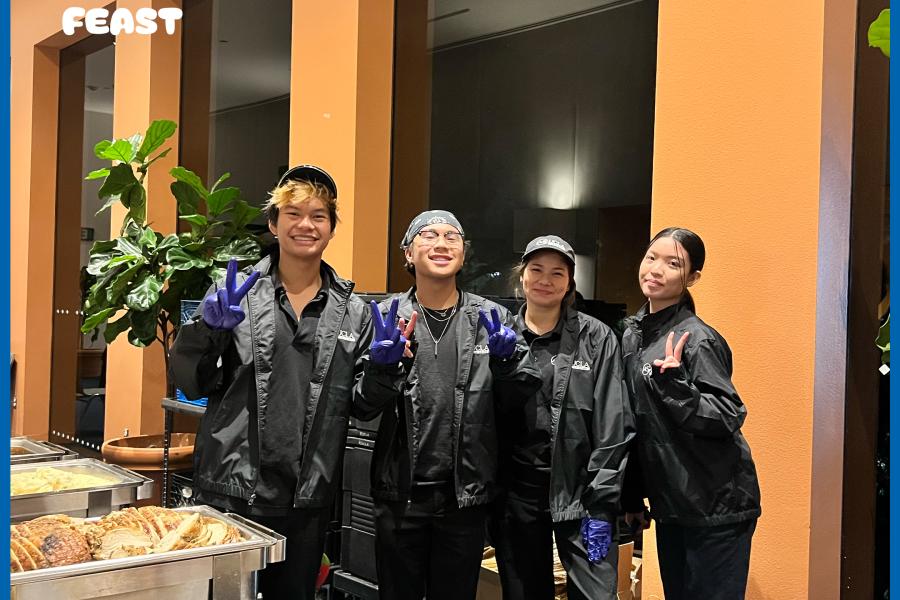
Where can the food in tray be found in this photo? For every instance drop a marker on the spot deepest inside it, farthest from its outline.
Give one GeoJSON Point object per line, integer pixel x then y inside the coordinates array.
{"type": "Point", "coordinates": [51, 541]}
{"type": "Point", "coordinates": [51, 479]}
{"type": "Point", "coordinates": [18, 451]}
{"type": "Point", "coordinates": [58, 540]}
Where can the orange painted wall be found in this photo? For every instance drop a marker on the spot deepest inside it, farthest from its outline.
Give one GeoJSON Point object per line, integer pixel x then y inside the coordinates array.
{"type": "Point", "coordinates": [33, 129]}
{"type": "Point", "coordinates": [736, 159]}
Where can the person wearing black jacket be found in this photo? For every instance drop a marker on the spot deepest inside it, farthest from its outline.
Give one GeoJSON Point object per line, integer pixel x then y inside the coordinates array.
{"type": "Point", "coordinates": [277, 351]}
{"type": "Point", "coordinates": [692, 463]}
{"type": "Point", "coordinates": [434, 468]}
{"type": "Point", "coordinates": [564, 445]}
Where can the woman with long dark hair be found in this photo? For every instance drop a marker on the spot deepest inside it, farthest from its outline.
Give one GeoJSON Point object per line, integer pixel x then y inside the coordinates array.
{"type": "Point", "coordinates": [563, 446]}
{"type": "Point", "coordinates": [689, 458]}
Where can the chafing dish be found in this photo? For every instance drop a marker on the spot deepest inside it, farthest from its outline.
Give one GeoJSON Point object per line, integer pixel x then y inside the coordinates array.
{"type": "Point", "coordinates": [26, 450]}
{"type": "Point", "coordinates": [228, 570]}
{"type": "Point", "coordinates": [124, 487]}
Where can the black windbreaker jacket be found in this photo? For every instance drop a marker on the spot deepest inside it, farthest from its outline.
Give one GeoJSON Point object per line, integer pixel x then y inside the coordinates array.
{"type": "Point", "coordinates": [226, 453]}
{"type": "Point", "coordinates": [591, 418]}
{"type": "Point", "coordinates": [693, 462]}
{"type": "Point", "coordinates": [392, 391]}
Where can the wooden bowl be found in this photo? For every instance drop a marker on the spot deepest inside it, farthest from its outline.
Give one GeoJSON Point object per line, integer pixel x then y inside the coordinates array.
{"type": "Point", "coordinates": [145, 452]}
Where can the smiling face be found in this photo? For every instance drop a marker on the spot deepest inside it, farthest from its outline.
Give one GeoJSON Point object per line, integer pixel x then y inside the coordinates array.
{"type": "Point", "coordinates": [303, 228]}
{"type": "Point", "coordinates": [665, 273]}
{"type": "Point", "coordinates": [437, 258]}
{"type": "Point", "coordinates": [546, 278]}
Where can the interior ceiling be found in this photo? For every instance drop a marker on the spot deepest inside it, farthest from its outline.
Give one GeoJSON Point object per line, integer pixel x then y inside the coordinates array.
{"type": "Point", "coordinates": [251, 54]}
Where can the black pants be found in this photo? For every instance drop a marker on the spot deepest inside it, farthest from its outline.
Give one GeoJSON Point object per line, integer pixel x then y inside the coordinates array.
{"type": "Point", "coordinates": [428, 546]}
{"type": "Point", "coordinates": [523, 539]}
{"type": "Point", "coordinates": [704, 562]}
{"type": "Point", "coordinates": [295, 577]}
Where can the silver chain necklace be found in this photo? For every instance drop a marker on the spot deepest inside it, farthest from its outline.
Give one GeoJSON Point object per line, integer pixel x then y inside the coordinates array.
{"type": "Point", "coordinates": [434, 339]}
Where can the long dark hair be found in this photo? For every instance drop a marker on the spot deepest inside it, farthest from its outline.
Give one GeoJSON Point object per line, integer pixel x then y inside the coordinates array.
{"type": "Point", "coordinates": [696, 252]}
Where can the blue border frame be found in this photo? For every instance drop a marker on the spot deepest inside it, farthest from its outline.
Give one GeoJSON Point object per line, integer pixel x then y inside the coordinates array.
{"type": "Point", "coordinates": [895, 268]}
{"type": "Point", "coordinates": [4, 281]}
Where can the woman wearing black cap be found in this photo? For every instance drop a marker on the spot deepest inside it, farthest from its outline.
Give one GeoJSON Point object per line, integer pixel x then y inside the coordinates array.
{"type": "Point", "coordinates": [563, 446]}
{"type": "Point", "coordinates": [691, 459]}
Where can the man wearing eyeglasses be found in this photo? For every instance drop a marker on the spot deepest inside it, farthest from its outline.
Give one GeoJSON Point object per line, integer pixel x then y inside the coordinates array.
{"type": "Point", "coordinates": [435, 353]}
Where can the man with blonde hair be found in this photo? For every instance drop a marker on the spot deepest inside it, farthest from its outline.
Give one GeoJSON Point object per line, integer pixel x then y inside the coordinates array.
{"type": "Point", "coordinates": [277, 351]}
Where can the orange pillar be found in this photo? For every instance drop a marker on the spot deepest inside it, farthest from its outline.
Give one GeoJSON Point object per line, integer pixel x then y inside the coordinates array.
{"type": "Point", "coordinates": [341, 78]}
{"type": "Point", "coordinates": [35, 43]}
{"type": "Point", "coordinates": [147, 84]}
{"type": "Point", "coordinates": [753, 108]}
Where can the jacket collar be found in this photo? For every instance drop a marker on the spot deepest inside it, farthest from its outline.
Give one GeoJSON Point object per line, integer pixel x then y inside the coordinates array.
{"type": "Point", "coordinates": [649, 323]}
{"type": "Point", "coordinates": [342, 287]}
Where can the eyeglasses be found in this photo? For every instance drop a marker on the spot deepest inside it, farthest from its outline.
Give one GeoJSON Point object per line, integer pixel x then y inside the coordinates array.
{"type": "Point", "coordinates": [430, 237]}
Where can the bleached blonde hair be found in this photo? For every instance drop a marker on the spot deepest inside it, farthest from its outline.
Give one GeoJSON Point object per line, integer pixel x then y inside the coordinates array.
{"type": "Point", "coordinates": [297, 192]}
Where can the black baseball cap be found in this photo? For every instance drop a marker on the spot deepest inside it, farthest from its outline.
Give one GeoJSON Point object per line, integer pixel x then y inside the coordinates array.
{"type": "Point", "coordinates": [309, 173]}
{"type": "Point", "coordinates": [550, 242]}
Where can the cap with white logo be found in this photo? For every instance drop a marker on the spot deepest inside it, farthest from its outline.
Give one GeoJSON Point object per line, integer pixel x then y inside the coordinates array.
{"type": "Point", "coordinates": [429, 217]}
{"type": "Point", "coordinates": [550, 242]}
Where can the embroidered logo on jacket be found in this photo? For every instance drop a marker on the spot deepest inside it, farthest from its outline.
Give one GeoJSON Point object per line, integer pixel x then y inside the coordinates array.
{"type": "Point", "coordinates": [580, 365]}
{"type": "Point", "coordinates": [346, 336]}
{"type": "Point", "coordinates": [480, 349]}
{"type": "Point", "coordinates": [646, 370]}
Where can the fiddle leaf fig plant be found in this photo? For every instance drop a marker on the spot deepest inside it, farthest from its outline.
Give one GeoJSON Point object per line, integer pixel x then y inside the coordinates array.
{"type": "Point", "coordinates": [140, 277]}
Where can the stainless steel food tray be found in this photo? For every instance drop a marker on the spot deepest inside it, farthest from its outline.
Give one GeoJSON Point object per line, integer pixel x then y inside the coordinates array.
{"type": "Point", "coordinates": [38, 451]}
{"type": "Point", "coordinates": [127, 488]}
{"type": "Point", "coordinates": [178, 575]}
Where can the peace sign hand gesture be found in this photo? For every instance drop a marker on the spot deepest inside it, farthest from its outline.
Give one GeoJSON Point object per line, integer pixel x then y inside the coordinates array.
{"type": "Point", "coordinates": [673, 356]}
{"type": "Point", "coordinates": [222, 309]}
{"type": "Point", "coordinates": [501, 339]}
{"type": "Point", "coordinates": [390, 342]}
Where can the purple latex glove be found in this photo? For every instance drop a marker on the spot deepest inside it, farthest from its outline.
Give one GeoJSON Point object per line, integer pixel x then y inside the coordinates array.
{"type": "Point", "coordinates": [388, 342]}
{"type": "Point", "coordinates": [597, 538]}
{"type": "Point", "coordinates": [222, 309]}
{"type": "Point", "coordinates": [501, 339]}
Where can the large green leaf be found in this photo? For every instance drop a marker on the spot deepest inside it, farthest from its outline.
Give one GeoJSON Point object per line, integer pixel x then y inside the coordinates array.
{"type": "Point", "coordinates": [103, 246]}
{"type": "Point", "coordinates": [97, 174]}
{"type": "Point", "coordinates": [215, 186]}
{"type": "Point", "coordinates": [99, 261]}
{"type": "Point", "coordinates": [137, 203]}
{"type": "Point", "coordinates": [145, 294]}
{"type": "Point", "coordinates": [143, 327]}
{"type": "Point", "coordinates": [158, 132]}
{"type": "Point", "coordinates": [190, 178]}
{"type": "Point", "coordinates": [135, 142]}
{"type": "Point", "coordinates": [121, 150]}
{"type": "Point", "coordinates": [132, 230]}
{"type": "Point", "coordinates": [241, 250]}
{"type": "Point", "coordinates": [96, 319]}
{"type": "Point", "coordinates": [126, 246]}
{"type": "Point", "coordinates": [187, 197]}
{"type": "Point", "coordinates": [114, 328]}
{"type": "Point", "coordinates": [156, 158]}
{"type": "Point", "coordinates": [219, 201]}
{"type": "Point", "coordinates": [148, 238]}
{"type": "Point", "coordinates": [880, 32]}
{"type": "Point", "coordinates": [180, 260]}
{"type": "Point", "coordinates": [199, 220]}
{"type": "Point", "coordinates": [109, 202]}
{"type": "Point", "coordinates": [242, 214]}
{"type": "Point", "coordinates": [120, 178]}
{"type": "Point", "coordinates": [170, 241]}
{"type": "Point", "coordinates": [100, 147]}
{"type": "Point", "coordinates": [121, 283]}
